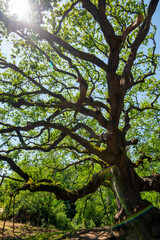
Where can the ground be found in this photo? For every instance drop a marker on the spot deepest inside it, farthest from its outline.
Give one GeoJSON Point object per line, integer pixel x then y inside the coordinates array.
{"type": "Point", "coordinates": [27, 232]}
{"type": "Point", "coordinates": [101, 233]}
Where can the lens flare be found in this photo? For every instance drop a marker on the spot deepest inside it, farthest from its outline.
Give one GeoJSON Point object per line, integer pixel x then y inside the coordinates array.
{"type": "Point", "coordinates": [133, 216]}
{"type": "Point", "coordinates": [20, 8]}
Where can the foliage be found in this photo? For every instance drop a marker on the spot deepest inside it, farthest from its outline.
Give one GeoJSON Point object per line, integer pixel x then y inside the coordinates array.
{"type": "Point", "coordinates": [78, 94]}
{"type": "Point", "coordinates": [39, 209]}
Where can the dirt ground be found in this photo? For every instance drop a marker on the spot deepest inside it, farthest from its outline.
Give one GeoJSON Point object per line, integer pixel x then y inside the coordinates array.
{"type": "Point", "coordinates": [23, 231]}
{"type": "Point", "coordinates": [101, 233]}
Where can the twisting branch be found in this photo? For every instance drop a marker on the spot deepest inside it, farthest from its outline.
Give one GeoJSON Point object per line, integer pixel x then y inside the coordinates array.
{"type": "Point", "coordinates": [65, 194]}
{"type": "Point", "coordinates": [56, 142]}
{"type": "Point", "coordinates": [131, 27]}
{"type": "Point", "coordinates": [145, 108]}
{"type": "Point", "coordinates": [96, 104]}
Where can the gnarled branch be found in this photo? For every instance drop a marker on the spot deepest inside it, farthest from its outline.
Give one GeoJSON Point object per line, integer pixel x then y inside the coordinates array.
{"type": "Point", "coordinates": [65, 194]}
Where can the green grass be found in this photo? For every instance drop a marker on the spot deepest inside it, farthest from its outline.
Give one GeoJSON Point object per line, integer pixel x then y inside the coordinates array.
{"type": "Point", "coordinates": [46, 236]}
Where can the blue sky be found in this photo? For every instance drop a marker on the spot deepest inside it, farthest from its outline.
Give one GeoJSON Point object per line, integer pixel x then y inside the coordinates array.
{"type": "Point", "coordinates": [156, 21]}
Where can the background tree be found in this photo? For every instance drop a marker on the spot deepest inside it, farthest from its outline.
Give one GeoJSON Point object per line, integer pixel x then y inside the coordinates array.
{"type": "Point", "coordinates": [71, 95]}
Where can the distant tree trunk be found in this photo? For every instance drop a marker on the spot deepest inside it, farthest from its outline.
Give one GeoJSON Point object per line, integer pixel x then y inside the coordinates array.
{"type": "Point", "coordinates": [139, 225]}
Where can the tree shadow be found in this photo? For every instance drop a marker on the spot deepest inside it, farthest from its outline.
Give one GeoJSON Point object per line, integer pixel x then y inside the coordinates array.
{"type": "Point", "coordinates": [102, 233]}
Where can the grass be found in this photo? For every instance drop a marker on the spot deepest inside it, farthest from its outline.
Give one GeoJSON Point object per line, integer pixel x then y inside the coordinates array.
{"type": "Point", "coordinates": [28, 232]}
{"type": "Point", "coordinates": [46, 236]}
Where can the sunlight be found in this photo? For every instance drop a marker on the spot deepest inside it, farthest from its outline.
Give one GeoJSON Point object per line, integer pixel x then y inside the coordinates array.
{"type": "Point", "coordinates": [20, 8]}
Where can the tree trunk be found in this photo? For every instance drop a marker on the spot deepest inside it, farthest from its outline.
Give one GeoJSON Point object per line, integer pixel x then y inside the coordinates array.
{"type": "Point", "coordinates": [136, 218]}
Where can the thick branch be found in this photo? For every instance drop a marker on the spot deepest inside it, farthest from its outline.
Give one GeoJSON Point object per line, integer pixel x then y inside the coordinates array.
{"type": "Point", "coordinates": [65, 194]}
{"type": "Point", "coordinates": [102, 6]}
{"type": "Point", "coordinates": [100, 17]}
{"type": "Point", "coordinates": [17, 25]}
{"type": "Point", "coordinates": [113, 40]}
{"type": "Point", "coordinates": [14, 167]}
{"type": "Point", "coordinates": [131, 27]}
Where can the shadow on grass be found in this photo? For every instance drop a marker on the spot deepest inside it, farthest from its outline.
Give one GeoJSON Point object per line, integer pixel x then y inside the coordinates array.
{"type": "Point", "coordinates": [101, 233]}
{"type": "Point", "coordinates": [27, 232]}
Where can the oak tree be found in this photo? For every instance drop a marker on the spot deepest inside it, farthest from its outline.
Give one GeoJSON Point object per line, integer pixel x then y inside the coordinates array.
{"type": "Point", "coordinates": [80, 87]}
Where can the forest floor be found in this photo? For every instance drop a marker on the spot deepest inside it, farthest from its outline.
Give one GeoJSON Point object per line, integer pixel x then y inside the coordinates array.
{"type": "Point", "coordinates": [28, 232]}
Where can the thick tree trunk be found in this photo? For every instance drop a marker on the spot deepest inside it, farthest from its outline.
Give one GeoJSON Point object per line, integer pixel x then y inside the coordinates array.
{"type": "Point", "coordinates": [136, 218]}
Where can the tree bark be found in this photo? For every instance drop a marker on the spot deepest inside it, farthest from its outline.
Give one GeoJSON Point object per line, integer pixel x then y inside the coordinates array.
{"type": "Point", "coordinates": [136, 218]}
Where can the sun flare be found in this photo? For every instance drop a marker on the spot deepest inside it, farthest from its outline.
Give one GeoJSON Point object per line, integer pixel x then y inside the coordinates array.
{"type": "Point", "coordinates": [20, 8]}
